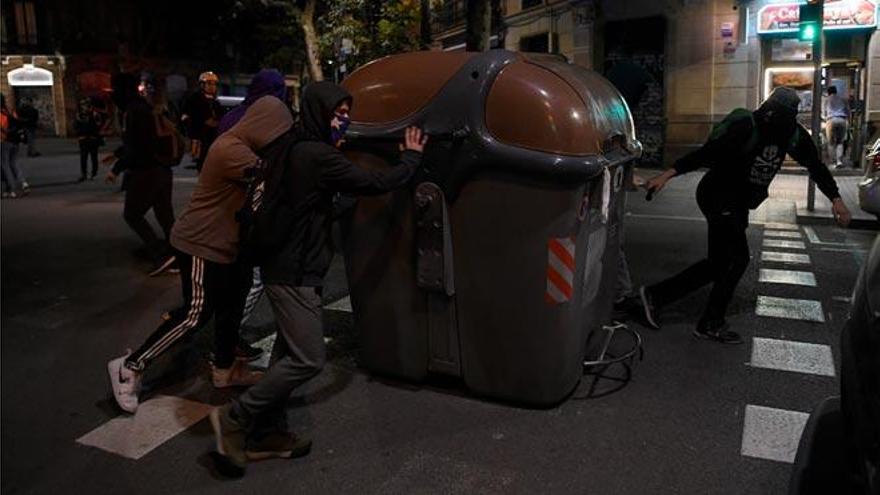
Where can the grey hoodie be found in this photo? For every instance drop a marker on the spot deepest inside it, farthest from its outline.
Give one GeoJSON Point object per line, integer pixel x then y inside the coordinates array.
{"type": "Point", "coordinates": [207, 228]}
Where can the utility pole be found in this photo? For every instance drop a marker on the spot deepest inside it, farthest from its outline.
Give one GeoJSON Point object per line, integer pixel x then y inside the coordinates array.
{"type": "Point", "coordinates": [810, 27]}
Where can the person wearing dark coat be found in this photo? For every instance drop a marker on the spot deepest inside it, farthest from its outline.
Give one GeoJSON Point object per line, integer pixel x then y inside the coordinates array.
{"type": "Point", "coordinates": [312, 171]}
{"type": "Point", "coordinates": [149, 183]}
{"type": "Point", "coordinates": [88, 126]}
{"type": "Point", "coordinates": [743, 154]}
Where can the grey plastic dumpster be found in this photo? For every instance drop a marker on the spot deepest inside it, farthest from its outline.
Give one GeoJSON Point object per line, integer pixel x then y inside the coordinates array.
{"type": "Point", "coordinates": [501, 258]}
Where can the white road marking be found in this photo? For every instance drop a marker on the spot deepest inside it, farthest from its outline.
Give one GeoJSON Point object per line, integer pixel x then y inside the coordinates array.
{"type": "Point", "coordinates": [790, 234]}
{"type": "Point", "coordinates": [811, 235]}
{"type": "Point", "coordinates": [343, 304]}
{"type": "Point", "coordinates": [780, 226]}
{"type": "Point", "coordinates": [789, 277]}
{"type": "Point", "coordinates": [265, 344]}
{"type": "Point", "coordinates": [667, 217]}
{"type": "Point", "coordinates": [156, 421]}
{"type": "Point", "coordinates": [772, 434]}
{"type": "Point", "coordinates": [790, 258]}
{"type": "Point", "coordinates": [776, 243]}
{"type": "Point", "coordinates": [793, 309]}
{"type": "Point", "coordinates": [786, 355]}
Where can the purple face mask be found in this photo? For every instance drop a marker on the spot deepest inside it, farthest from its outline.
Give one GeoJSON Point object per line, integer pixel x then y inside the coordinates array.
{"type": "Point", "coordinates": [338, 126]}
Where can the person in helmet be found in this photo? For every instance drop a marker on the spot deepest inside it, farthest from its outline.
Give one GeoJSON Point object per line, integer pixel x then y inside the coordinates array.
{"type": "Point", "coordinates": [201, 117]}
{"type": "Point", "coordinates": [743, 153]}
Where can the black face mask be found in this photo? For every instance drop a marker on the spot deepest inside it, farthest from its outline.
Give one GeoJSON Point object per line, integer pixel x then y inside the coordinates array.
{"type": "Point", "coordinates": [778, 121]}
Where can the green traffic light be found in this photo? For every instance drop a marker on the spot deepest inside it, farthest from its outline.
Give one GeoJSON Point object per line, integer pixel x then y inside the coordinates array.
{"type": "Point", "coordinates": [807, 32]}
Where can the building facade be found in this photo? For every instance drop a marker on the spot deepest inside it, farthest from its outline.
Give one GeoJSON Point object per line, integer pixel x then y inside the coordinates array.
{"type": "Point", "coordinates": [56, 52]}
{"type": "Point", "coordinates": [706, 57]}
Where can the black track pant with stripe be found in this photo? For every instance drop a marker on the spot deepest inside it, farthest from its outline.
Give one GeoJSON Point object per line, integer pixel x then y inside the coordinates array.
{"type": "Point", "coordinates": [209, 289]}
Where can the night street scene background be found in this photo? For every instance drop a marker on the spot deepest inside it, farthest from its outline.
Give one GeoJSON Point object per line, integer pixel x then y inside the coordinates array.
{"type": "Point", "coordinates": [475, 246]}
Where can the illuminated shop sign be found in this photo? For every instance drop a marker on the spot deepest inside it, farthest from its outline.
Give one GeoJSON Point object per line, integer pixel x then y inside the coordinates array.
{"type": "Point", "coordinates": [841, 14]}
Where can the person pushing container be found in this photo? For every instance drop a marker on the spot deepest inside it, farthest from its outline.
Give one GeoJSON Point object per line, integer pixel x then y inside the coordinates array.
{"type": "Point", "coordinates": [743, 154]}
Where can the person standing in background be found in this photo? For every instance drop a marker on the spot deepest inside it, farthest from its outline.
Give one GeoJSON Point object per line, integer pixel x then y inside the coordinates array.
{"type": "Point", "coordinates": [30, 119]}
{"type": "Point", "coordinates": [201, 117]}
{"type": "Point", "coordinates": [88, 129]}
{"type": "Point", "coordinates": [13, 180]}
{"type": "Point", "coordinates": [835, 112]}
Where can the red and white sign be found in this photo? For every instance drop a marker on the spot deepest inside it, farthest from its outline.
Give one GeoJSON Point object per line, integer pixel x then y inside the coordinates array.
{"type": "Point", "coordinates": [840, 14]}
{"type": "Point", "coordinates": [560, 270]}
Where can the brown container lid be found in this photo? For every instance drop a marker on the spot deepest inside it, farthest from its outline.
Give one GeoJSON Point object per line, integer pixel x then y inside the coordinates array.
{"type": "Point", "coordinates": [392, 88]}
{"type": "Point", "coordinates": [531, 106]}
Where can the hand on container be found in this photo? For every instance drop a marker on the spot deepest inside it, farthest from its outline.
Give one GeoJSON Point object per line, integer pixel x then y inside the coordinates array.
{"type": "Point", "coordinates": [414, 139]}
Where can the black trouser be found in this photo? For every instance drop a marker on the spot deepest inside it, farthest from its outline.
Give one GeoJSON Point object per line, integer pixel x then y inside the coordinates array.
{"type": "Point", "coordinates": [146, 189]}
{"type": "Point", "coordinates": [209, 289]}
{"type": "Point", "coordinates": [725, 264]}
{"type": "Point", "coordinates": [88, 149]}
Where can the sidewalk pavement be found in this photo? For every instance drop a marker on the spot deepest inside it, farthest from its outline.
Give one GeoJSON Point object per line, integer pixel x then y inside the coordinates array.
{"type": "Point", "coordinates": [792, 187]}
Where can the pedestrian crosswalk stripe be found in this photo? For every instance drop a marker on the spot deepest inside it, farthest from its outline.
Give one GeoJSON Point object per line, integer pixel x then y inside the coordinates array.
{"type": "Point", "coordinates": [343, 304]}
{"type": "Point", "coordinates": [790, 234]}
{"type": "Point", "coordinates": [155, 422]}
{"type": "Point", "coordinates": [787, 355]}
{"type": "Point", "coordinates": [772, 434]}
{"type": "Point", "coordinates": [789, 258]}
{"type": "Point", "coordinates": [789, 277]}
{"type": "Point", "coordinates": [780, 226]}
{"type": "Point", "coordinates": [794, 309]}
{"type": "Point", "coordinates": [778, 243]}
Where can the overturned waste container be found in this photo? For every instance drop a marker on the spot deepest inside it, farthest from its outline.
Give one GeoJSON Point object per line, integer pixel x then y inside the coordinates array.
{"type": "Point", "coordinates": [500, 259]}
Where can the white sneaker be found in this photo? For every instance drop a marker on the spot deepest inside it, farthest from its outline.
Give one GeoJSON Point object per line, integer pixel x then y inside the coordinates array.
{"type": "Point", "coordinates": [237, 375]}
{"type": "Point", "coordinates": [126, 384]}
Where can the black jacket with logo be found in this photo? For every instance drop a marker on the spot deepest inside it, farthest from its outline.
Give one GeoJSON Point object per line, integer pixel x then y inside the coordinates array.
{"type": "Point", "coordinates": [315, 171]}
{"type": "Point", "coordinates": [743, 157]}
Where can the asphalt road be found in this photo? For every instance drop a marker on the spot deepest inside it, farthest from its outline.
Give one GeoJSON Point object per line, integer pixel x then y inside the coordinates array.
{"type": "Point", "coordinates": [74, 297]}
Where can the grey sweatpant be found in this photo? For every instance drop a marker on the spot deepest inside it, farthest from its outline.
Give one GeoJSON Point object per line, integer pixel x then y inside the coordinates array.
{"type": "Point", "coordinates": [299, 354]}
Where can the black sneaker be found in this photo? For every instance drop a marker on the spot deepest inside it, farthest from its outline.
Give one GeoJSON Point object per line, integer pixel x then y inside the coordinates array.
{"type": "Point", "coordinates": [231, 439]}
{"type": "Point", "coordinates": [163, 264]}
{"type": "Point", "coordinates": [650, 310]}
{"type": "Point", "coordinates": [281, 445]}
{"type": "Point", "coordinates": [717, 330]}
{"type": "Point", "coordinates": [247, 352]}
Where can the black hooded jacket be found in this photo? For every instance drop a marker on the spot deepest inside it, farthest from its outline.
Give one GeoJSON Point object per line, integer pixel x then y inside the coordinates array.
{"type": "Point", "coordinates": [314, 172]}
{"type": "Point", "coordinates": [744, 153]}
{"type": "Point", "coordinates": [138, 150]}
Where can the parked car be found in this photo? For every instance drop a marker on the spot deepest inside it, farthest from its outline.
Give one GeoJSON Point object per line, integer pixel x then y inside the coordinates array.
{"type": "Point", "coordinates": [869, 187]}
{"type": "Point", "coordinates": [839, 451]}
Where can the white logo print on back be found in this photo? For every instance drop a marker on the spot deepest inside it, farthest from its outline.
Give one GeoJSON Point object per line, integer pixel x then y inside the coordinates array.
{"type": "Point", "coordinates": [766, 164]}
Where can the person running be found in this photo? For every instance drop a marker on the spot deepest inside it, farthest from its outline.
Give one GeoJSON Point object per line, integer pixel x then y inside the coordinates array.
{"type": "Point", "coordinates": [214, 283]}
{"type": "Point", "coordinates": [743, 154]}
{"type": "Point", "coordinates": [148, 182]}
{"type": "Point", "coordinates": [88, 126]}
{"type": "Point", "coordinates": [254, 426]}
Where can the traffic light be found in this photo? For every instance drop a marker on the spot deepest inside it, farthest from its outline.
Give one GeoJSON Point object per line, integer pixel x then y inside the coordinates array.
{"type": "Point", "coordinates": [809, 21]}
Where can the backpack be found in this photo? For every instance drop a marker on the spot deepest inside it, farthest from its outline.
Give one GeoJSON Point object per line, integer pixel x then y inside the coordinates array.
{"type": "Point", "coordinates": [264, 218]}
{"type": "Point", "coordinates": [169, 142]}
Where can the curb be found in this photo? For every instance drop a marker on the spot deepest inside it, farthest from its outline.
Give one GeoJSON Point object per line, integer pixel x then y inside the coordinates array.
{"type": "Point", "coordinates": [856, 223]}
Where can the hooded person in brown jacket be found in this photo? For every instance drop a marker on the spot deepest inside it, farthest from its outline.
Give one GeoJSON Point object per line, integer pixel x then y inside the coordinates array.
{"type": "Point", "coordinates": [206, 238]}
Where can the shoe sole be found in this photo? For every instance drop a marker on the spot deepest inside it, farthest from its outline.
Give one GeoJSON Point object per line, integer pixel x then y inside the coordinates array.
{"type": "Point", "coordinates": [646, 308]}
{"type": "Point", "coordinates": [113, 370]}
{"type": "Point", "coordinates": [284, 454]}
{"type": "Point", "coordinates": [164, 266]}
